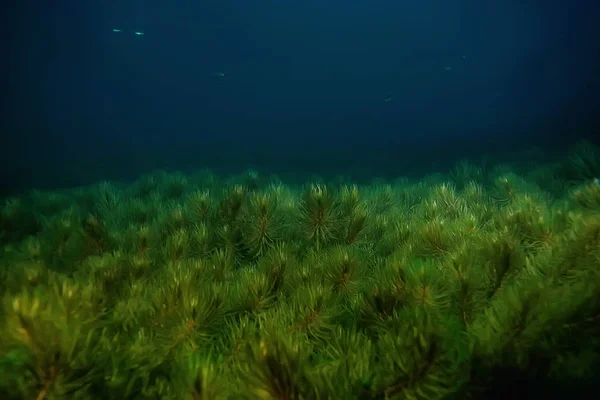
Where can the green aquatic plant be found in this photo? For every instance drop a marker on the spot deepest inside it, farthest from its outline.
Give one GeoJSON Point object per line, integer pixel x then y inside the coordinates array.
{"type": "Point", "coordinates": [355, 231]}
{"type": "Point", "coordinates": [172, 217]}
{"type": "Point", "coordinates": [230, 205]}
{"type": "Point", "coordinates": [423, 359]}
{"type": "Point", "coordinates": [141, 240]}
{"type": "Point", "coordinates": [443, 202]}
{"type": "Point", "coordinates": [64, 243]}
{"type": "Point", "coordinates": [588, 196]}
{"type": "Point", "coordinates": [251, 180]}
{"type": "Point", "coordinates": [201, 241]}
{"type": "Point", "coordinates": [257, 291]}
{"type": "Point", "coordinates": [384, 297]}
{"type": "Point", "coordinates": [17, 220]}
{"type": "Point", "coordinates": [349, 199]}
{"type": "Point", "coordinates": [277, 368]}
{"type": "Point", "coordinates": [428, 286]}
{"type": "Point", "coordinates": [49, 341]}
{"type": "Point", "coordinates": [584, 162]}
{"type": "Point", "coordinates": [197, 377]}
{"type": "Point", "coordinates": [320, 215]}
{"type": "Point", "coordinates": [187, 287]}
{"type": "Point", "coordinates": [502, 258]}
{"type": "Point", "coordinates": [107, 199]}
{"type": "Point", "coordinates": [530, 221]}
{"type": "Point", "coordinates": [199, 206]}
{"type": "Point", "coordinates": [263, 223]}
{"type": "Point", "coordinates": [230, 238]}
{"type": "Point", "coordinates": [465, 172]}
{"type": "Point", "coordinates": [312, 310]}
{"type": "Point", "coordinates": [506, 188]}
{"type": "Point", "coordinates": [437, 238]}
{"type": "Point", "coordinates": [345, 270]}
{"type": "Point", "coordinates": [384, 198]}
{"type": "Point", "coordinates": [176, 247]}
{"type": "Point", "coordinates": [173, 186]}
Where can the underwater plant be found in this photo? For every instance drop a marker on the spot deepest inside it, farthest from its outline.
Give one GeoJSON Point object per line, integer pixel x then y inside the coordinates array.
{"type": "Point", "coordinates": [584, 162]}
{"type": "Point", "coordinates": [456, 286]}
{"type": "Point", "coordinates": [320, 215]}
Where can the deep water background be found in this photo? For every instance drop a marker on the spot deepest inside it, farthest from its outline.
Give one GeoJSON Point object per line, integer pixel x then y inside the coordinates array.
{"type": "Point", "coordinates": [305, 86]}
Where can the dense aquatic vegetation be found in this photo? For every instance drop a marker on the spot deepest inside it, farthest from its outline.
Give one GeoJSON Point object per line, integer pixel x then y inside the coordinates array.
{"type": "Point", "coordinates": [480, 283]}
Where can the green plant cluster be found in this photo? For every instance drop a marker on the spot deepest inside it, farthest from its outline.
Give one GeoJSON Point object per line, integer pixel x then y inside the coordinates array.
{"type": "Point", "coordinates": [197, 287]}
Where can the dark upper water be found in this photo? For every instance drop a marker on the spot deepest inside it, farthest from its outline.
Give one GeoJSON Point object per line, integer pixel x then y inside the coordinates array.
{"type": "Point", "coordinates": [296, 87]}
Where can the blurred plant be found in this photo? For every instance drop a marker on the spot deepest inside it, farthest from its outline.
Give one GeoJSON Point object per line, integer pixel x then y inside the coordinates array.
{"type": "Point", "coordinates": [49, 343]}
{"type": "Point", "coordinates": [465, 172]}
{"type": "Point", "coordinates": [588, 196]}
{"type": "Point", "coordinates": [584, 162]}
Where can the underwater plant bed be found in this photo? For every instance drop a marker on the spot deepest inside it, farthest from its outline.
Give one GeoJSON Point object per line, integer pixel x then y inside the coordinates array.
{"type": "Point", "coordinates": [475, 284]}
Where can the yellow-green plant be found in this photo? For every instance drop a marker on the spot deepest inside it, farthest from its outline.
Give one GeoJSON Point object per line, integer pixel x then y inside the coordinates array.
{"type": "Point", "coordinates": [263, 223]}
{"type": "Point", "coordinates": [452, 286]}
{"type": "Point", "coordinates": [320, 215]}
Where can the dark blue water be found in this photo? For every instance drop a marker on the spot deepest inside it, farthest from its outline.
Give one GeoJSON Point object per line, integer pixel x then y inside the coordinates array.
{"type": "Point", "coordinates": [361, 88]}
